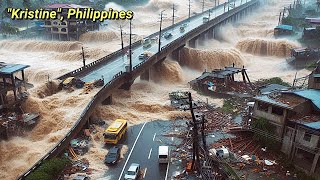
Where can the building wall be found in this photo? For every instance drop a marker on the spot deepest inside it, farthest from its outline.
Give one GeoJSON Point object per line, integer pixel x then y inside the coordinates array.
{"type": "Point", "coordinates": [268, 115]}
{"type": "Point", "coordinates": [287, 140]}
{"type": "Point", "coordinates": [312, 144]}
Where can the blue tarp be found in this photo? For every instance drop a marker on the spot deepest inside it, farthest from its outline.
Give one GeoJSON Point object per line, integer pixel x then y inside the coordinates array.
{"type": "Point", "coordinates": [285, 27]}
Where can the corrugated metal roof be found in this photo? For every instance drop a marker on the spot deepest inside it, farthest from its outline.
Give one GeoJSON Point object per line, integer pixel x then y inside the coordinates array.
{"type": "Point", "coordinates": [313, 125]}
{"type": "Point", "coordinates": [285, 27]}
{"type": "Point", "coordinates": [311, 94]}
{"type": "Point", "coordinates": [11, 68]}
{"type": "Point", "coordinates": [273, 87]}
{"type": "Point", "coordinates": [266, 99]}
{"type": "Point", "coordinates": [65, 6]}
{"type": "Point", "coordinates": [316, 75]}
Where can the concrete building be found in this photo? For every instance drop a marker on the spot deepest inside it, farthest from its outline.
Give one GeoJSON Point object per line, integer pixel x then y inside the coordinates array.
{"type": "Point", "coordinates": [68, 29]}
{"type": "Point", "coordinates": [295, 116]}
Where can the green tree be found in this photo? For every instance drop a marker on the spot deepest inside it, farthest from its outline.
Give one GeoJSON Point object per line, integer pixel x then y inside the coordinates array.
{"type": "Point", "coordinates": [9, 4]}
{"type": "Point", "coordinates": [8, 29]}
{"type": "Point", "coordinates": [27, 4]}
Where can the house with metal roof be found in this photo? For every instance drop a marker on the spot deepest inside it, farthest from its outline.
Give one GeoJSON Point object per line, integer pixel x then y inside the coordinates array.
{"type": "Point", "coordinates": [282, 30]}
{"type": "Point", "coordinates": [314, 78]}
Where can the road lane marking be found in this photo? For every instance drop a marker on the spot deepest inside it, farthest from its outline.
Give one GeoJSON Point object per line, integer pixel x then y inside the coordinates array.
{"type": "Point", "coordinates": [134, 144]}
{"type": "Point", "coordinates": [145, 172]}
{"type": "Point", "coordinates": [150, 153]}
{"type": "Point", "coordinates": [154, 136]}
{"type": "Point", "coordinates": [167, 171]}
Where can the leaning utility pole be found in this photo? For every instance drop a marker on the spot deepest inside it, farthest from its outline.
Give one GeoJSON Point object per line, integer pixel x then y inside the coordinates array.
{"type": "Point", "coordinates": [83, 59]}
{"type": "Point", "coordinates": [130, 48]}
{"type": "Point", "coordinates": [121, 37]}
{"type": "Point", "coordinates": [195, 155]}
{"type": "Point", "coordinates": [159, 47]}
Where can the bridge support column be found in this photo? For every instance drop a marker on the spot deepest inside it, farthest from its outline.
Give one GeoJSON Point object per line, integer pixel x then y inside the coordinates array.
{"type": "Point", "coordinates": [202, 38]}
{"type": "Point", "coordinates": [126, 86]}
{"type": "Point", "coordinates": [216, 32]}
{"type": "Point", "coordinates": [146, 75]}
{"type": "Point", "coordinates": [210, 33]}
{"type": "Point", "coordinates": [107, 101]}
{"type": "Point", "coordinates": [193, 43]}
{"type": "Point", "coordinates": [176, 54]}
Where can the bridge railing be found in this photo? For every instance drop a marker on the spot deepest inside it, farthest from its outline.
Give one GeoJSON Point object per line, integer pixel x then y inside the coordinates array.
{"type": "Point", "coordinates": [99, 62]}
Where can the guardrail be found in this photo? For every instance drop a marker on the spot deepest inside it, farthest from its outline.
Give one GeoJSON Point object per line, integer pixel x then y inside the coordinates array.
{"type": "Point", "coordinates": [116, 80]}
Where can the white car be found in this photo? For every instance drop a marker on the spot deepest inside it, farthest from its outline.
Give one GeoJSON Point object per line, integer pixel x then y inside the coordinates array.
{"type": "Point", "coordinates": [133, 172]}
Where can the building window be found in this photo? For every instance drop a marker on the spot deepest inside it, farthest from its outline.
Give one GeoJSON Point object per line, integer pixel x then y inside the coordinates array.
{"type": "Point", "coordinates": [63, 30]}
{"type": "Point", "coordinates": [263, 106]}
{"type": "Point", "coordinates": [317, 80]}
{"type": "Point", "coordinates": [277, 111]}
{"type": "Point", "coordinates": [307, 137]}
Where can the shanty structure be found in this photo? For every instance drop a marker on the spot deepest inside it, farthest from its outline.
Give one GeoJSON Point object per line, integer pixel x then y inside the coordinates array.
{"type": "Point", "coordinates": [222, 82]}
{"type": "Point", "coordinates": [314, 22]}
{"type": "Point", "coordinates": [301, 56]}
{"type": "Point", "coordinates": [12, 82]}
{"type": "Point", "coordinates": [314, 78]}
{"type": "Point", "coordinates": [68, 29]}
{"type": "Point", "coordinates": [310, 33]}
{"type": "Point", "coordinates": [282, 30]}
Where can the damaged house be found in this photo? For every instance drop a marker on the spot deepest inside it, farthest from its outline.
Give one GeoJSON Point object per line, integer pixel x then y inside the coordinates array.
{"type": "Point", "coordinates": [295, 116]}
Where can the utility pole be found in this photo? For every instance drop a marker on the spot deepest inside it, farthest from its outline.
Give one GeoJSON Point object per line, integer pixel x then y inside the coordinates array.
{"type": "Point", "coordinates": [228, 6]}
{"type": "Point", "coordinates": [203, 135]}
{"type": "Point", "coordinates": [279, 18]}
{"type": "Point", "coordinates": [173, 10]}
{"type": "Point", "coordinates": [161, 14]}
{"type": "Point", "coordinates": [202, 5]}
{"type": "Point", "coordinates": [83, 59]}
{"type": "Point", "coordinates": [189, 8]}
{"type": "Point", "coordinates": [121, 37]}
{"type": "Point", "coordinates": [130, 48]}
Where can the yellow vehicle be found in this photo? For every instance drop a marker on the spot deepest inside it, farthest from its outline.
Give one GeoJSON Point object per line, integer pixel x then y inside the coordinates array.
{"type": "Point", "coordinates": [115, 131]}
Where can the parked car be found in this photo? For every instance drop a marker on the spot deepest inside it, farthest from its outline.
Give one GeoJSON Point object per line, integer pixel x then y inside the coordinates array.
{"type": "Point", "coordinates": [81, 177]}
{"type": "Point", "coordinates": [146, 43]}
{"type": "Point", "coordinates": [112, 156]}
{"type": "Point", "coordinates": [205, 19]}
{"type": "Point", "coordinates": [143, 56]}
{"type": "Point", "coordinates": [167, 35]}
{"type": "Point", "coordinates": [133, 172]}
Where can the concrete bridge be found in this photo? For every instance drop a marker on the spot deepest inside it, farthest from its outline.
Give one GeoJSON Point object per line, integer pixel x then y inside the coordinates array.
{"type": "Point", "coordinates": [115, 72]}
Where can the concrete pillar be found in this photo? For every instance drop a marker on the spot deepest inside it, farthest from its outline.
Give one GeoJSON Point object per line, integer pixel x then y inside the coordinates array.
{"type": "Point", "coordinates": [193, 43]}
{"type": "Point", "coordinates": [202, 38]}
{"type": "Point", "coordinates": [314, 164]}
{"type": "Point", "coordinates": [216, 32]}
{"type": "Point", "coordinates": [107, 101]}
{"type": "Point", "coordinates": [127, 85]}
{"type": "Point", "coordinates": [210, 33]}
{"type": "Point", "coordinates": [146, 75]}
